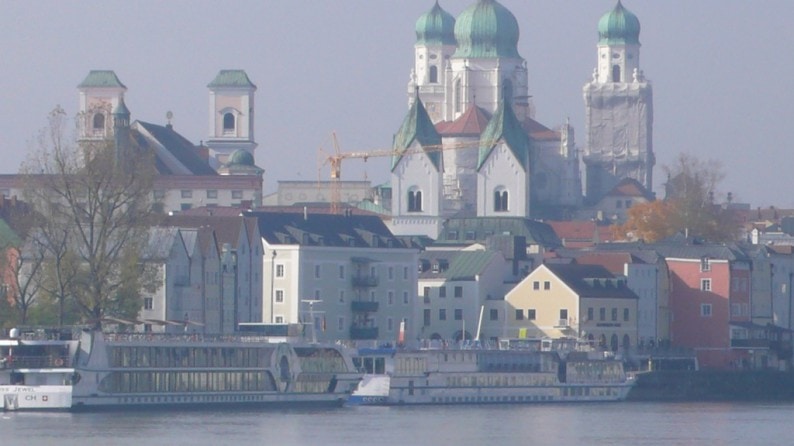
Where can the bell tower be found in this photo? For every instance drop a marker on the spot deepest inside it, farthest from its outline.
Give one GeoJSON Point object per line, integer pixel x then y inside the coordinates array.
{"type": "Point", "coordinates": [618, 109]}
{"type": "Point", "coordinates": [101, 92]}
{"type": "Point", "coordinates": [231, 116]}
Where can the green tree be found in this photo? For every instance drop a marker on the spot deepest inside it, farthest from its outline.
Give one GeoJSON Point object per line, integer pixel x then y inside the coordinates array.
{"type": "Point", "coordinates": [94, 201]}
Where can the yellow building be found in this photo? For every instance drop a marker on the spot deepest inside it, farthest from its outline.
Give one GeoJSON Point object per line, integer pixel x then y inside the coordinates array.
{"type": "Point", "coordinates": [570, 301]}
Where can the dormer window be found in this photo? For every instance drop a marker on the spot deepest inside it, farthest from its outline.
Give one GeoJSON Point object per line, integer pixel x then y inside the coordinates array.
{"type": "Point", "coordinates": [228, 123]}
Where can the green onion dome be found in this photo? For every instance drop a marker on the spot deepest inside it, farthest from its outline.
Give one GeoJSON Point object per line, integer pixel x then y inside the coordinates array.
{"type": "Point", "coordinates": [486, 29]}
{"type": "Point", "coordinates": [619, 26]}
{"type": "Point", "coordinates": [435, 27]}
{"type": "Point", "coordinates": [241, 157]}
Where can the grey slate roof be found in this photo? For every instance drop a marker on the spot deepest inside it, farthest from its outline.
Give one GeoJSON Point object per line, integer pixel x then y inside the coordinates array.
{"type": "Point", "coordinates": [177, 145]}
{"type": "Point", "coordinates": [591, 281]}
{"type": "Point", "coordinates": [325, 230]}
{"type": "Point", "coordinates": [161, 240]}
{"type": "Point", "coordinates": [682, 250]}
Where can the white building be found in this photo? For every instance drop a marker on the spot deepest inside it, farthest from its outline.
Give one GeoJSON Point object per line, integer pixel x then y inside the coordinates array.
{"type": "Point", "coordinates": [345, 275]}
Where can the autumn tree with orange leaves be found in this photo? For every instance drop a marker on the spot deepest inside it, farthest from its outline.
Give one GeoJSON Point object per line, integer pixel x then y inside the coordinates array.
{"type": "Point", "coordinates": [689, 208]}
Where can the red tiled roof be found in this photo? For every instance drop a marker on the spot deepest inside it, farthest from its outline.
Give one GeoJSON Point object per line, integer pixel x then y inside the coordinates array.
{"type": "Point", "coordinates": [472, 122]}
{"type": "Point", "coordinates": [539, 131]}
{"type": "Point", "coordinates": [629, 187]}
{"type": "Point", "coordinates": [612, 261]}
{"type": "Point", "coordinates": [580, 234]}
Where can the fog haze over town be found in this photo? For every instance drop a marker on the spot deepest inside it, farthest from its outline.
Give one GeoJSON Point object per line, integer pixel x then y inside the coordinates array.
{"type": "Point", "coordinates": [718, 71]}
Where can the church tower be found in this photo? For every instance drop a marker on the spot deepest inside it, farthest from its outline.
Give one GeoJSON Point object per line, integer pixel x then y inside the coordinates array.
{"type": "Point", "coordinates": [231, 116]}
{"type": "Point", "coordinates": [435, 44]}
{"type": "Point", "coordinates": [101, 92]}
{"type": "Point", "coordinates": [618, 109]}
{"type": "Point", "coordinates": [486, 63]}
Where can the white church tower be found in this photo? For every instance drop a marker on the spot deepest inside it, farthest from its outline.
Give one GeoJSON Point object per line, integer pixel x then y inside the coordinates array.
{"type": "Point", "coordinates": [101, 92]}
{"type": "Point", "coordinates": [231, 116]}
{"type": "Point", "coordinates": [618, 108]}
{"type": "Point", "coordinates": [435, 44]}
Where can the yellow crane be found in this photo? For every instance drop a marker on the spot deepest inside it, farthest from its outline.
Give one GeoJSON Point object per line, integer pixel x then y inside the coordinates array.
{"type": "Point", "coordinates": [335, 159]}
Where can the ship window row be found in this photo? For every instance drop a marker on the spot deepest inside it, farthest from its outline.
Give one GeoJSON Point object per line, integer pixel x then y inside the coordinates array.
{"type": "Point", "coordinates": [172, 357]}
{"type": "Point", "coordinates": [590, 371]}
{"type": "Point", "coordinates": [501, 380]}
{"type": "Point", "coordinates": [323, 360]}
{"type": "Point", "coordinates": [171, 382]}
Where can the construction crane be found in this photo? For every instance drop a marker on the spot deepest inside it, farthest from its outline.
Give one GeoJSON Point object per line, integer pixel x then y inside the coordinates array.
{"type": "Point", "coordinates": [335, 159]}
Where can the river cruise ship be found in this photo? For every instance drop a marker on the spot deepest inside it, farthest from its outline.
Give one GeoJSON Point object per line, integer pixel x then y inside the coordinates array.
{"type": "Point", "coordinates": [36, 370]}
{"type": "Point", "coordinates": [136, 370]}
{"type": "Point", "coordinates": [488, 376]}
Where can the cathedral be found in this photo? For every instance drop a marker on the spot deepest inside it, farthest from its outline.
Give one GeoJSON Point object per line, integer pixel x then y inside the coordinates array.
{"type": "Point", "coordinates": [470, 146]}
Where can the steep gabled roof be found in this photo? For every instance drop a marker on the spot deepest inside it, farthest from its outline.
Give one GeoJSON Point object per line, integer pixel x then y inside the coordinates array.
{"type": "Point", "coordinates": [417, 127]}
{"type": "Point", "coordinates": [504, 127]}
{"type": "Point", "coordinates": [629, 187]}
{"type": "Point", "coordinates": [471, 123]}
{"type": "Point", "coordinates": [227, 229]}
{"type": "Point", "coordinates": [167, 143]}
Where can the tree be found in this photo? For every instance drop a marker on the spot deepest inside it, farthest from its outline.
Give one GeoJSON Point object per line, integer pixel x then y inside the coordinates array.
{"type": "Point", "coordinates": [689, 206]}
{"type": "Point", "coordinates": [93, 199]}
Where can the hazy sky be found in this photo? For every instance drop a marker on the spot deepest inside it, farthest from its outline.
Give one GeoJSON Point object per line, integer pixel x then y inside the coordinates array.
{"type": "Point", "coordinates": [721, 72]}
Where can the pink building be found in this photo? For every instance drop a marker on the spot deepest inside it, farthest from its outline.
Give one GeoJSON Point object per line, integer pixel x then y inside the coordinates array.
{"type": "Point", "coordinates": [709, 292]}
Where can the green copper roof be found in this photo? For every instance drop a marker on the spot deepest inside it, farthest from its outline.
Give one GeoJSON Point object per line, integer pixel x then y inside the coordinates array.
{"type": "Point", "coordinates": [435, 27]}
{"type": "Point", "coordinates": [418, 127]}
{"type": "Point", "coordinates": [231, 78]}
{"type": "Point", "coordinates": [101, 78]}
{"type": "Point", "coordinates": [486, 30]}
{"type": "Point", "coordinates": [504, 126]}
{"type": "Point", "coordinates": [241, 157]}
{"type": "Point", "coordinates": [122, 109]}
{"type": "Point", "coordinates": [619, 27]}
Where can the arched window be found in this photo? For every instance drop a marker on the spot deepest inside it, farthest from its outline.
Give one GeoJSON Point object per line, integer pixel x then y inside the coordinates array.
{"type": "Point", "coordinates": [433, 74]}
{"type": "Point", "coordinates": [615, 73]}
{"type": "Point", "coordinates": [613, 344]}
{"type": "Point", "coordinates": [500, 200]}
{"type": "Point", "coordinates": [414, 200]}
{"type": "Point", "coordinates": [626, 342]}
{"type": "Point", "coordinates": [99, 122]}
{"type": "Point", "coordinates": [228, 123]}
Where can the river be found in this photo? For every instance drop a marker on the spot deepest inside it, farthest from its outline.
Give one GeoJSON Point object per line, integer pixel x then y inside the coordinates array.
{"type": "Point", "coordinates": [626, 423]}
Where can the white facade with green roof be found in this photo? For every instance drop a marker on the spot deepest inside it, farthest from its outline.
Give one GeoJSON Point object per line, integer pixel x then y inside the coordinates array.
{"type": "Point", "coordinates": [474, 65]}
{"type": "Point", "coordinates": [101, 92]}
{"type": "Point", "coordinates": [231, 116]}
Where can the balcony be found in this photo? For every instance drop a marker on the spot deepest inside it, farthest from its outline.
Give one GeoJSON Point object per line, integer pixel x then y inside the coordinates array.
{"type": "Point", "coordinates": [365, 281]}
{"type": "Point", "coordinates": [361, 306]}
{"type": "Point", "coordinates": [363, 333]}
{"type": "Point", "coordinates": [753, 343]}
